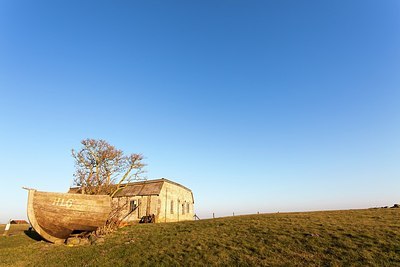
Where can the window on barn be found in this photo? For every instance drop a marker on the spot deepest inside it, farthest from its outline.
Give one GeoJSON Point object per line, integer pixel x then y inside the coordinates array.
{"type": "Point", "coordinates": [183, 208]}
{"type": "Point", "coordinates": [132, 205]}
{"type": "Point", "coordinates": [172, 207]}
{"type": "Point", "coordinates": [187, 208]}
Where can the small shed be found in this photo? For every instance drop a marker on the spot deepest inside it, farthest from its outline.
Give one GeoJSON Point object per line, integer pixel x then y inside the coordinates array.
{"type": "Point", "coordinates": [18, 222]}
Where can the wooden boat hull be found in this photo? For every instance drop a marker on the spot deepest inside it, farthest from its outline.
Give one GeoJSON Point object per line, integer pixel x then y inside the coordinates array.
{"type": "Point", "coordinates": [56, 215]}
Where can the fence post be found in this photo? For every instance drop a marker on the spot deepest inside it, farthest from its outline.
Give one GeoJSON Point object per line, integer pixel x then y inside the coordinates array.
{"type": "Point", "coordinates": [213, 215]}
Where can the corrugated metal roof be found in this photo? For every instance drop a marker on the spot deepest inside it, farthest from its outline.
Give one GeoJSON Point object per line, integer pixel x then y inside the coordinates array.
{"type": "Point", "coordinates": [142, 188]}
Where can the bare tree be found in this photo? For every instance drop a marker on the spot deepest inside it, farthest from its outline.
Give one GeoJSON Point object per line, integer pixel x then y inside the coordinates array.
{"type": "Point", "coordinates": [103, 169]}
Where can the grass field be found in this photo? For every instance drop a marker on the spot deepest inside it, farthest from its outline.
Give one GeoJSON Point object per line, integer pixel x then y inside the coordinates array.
{"type": "Point", "coordinates": [15, 228]}
{"type": "Point", "coordinates": [330, 238]}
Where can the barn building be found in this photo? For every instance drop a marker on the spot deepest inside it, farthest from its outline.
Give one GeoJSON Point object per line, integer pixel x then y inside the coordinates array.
{"type": "Point", "coordinates": [166, 200]}
{"type": "Point", "coordinates": [162, 200]}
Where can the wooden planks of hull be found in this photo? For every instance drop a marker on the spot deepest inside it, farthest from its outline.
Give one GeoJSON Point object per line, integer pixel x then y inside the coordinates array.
{"type": "Point", "coordinates": [56, 215]}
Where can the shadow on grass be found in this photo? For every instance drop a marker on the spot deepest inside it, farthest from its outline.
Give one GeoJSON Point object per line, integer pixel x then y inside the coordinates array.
{"type": "Point", "coordinates": [34, 235]}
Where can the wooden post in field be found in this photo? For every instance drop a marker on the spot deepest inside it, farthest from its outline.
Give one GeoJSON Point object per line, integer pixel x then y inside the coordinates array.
{"type": "Point", "coordinates": [213, 215]}
{"type": "Point", "coordinates": [233, 213]}
{"type": "Point", "coordinates": [7, 228]}
{"type": "Point", "coordinates": [258, 212]}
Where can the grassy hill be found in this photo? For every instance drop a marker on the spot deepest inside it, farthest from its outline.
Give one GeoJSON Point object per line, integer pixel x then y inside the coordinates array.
{"type": "Point", "coordinates": [330, 238]}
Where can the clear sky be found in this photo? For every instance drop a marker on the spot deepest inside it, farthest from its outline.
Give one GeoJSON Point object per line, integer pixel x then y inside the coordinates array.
{"type": "Point", "coordinates": [255, 105]}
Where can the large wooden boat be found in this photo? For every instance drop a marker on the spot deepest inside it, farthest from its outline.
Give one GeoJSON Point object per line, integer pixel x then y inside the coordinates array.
{"type": "Point", "coordinates": [55, 216]}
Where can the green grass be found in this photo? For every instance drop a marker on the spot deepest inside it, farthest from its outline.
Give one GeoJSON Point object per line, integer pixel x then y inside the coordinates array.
{"type": "Point", "coordinates": [14, 229]}
{"type": "Point", "coordinates": [331, 238]}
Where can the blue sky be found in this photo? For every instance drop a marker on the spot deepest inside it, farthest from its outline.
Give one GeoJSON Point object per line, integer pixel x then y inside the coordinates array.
{"type": "Point", "coordinates": [255, 105]}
